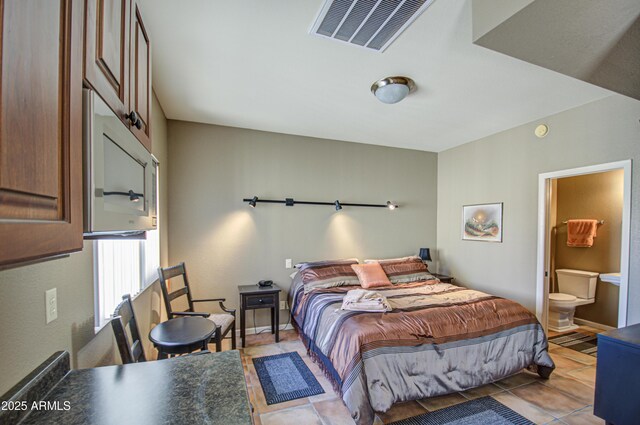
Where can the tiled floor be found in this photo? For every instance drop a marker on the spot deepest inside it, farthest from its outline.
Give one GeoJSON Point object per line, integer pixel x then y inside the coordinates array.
{"type": "Point", "coordinates": [566, 398]}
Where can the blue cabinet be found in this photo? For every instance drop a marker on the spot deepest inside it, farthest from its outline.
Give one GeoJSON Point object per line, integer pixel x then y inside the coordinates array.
{"type": "Point", "coordinates": [617, 399]}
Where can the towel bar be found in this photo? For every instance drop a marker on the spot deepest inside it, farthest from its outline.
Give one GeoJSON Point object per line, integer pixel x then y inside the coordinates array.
{"type": "Point", "coordinates": [599, 222]}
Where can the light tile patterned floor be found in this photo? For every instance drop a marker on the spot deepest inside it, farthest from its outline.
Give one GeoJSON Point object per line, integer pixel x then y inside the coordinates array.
{"type": "Point", "coordinates": [566, 398]}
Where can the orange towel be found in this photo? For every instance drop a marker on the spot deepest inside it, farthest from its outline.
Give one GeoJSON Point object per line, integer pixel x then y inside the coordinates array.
{"type": "Point", "coordinates": [580, 233]}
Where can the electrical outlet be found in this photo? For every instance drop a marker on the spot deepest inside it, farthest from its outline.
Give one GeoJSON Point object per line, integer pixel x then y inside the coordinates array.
{"type": "Point", "coordinates": [288, 264]}
{"type": "Point", "coordinates": [51, 304]}
{"type": "Point", "coordinates": [283, 305]}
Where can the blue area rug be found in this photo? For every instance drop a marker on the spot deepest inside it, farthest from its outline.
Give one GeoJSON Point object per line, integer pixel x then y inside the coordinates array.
{"type": "Point", "coordinates": [485, 410]}
{"type": "Point", "coordinates": [285, 377]}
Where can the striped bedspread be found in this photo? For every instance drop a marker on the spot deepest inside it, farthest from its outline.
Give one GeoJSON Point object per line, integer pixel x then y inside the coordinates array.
{"type": "Point", "coordinates": [439, 338]}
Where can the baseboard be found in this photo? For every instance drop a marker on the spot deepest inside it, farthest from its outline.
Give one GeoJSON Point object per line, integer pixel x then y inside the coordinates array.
{"type": "Point", "coordinates": [253, 331]}
{"type": "Point", "coordinates": [592, 324]}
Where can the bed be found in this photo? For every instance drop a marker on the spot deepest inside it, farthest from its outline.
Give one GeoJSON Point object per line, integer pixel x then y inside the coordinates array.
{"type": "Point", "coordinates": [439, 338]}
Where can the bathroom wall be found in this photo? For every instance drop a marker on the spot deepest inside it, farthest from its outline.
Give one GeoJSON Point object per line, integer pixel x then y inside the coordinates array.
{"type": "Point", "coordinates": [598, 196]}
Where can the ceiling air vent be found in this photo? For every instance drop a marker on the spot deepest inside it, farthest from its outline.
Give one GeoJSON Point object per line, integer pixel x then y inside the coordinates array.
{"type": "Point", "coordinates": [367, 23]}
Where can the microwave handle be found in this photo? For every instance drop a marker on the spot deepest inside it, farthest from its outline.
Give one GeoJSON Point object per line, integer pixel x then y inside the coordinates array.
{"type": "Point", "coordinates": [133, 197]}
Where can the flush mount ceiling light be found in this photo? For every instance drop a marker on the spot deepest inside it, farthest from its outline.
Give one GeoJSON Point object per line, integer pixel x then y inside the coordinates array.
{"type": "Point", "coordinates": [393, 89]}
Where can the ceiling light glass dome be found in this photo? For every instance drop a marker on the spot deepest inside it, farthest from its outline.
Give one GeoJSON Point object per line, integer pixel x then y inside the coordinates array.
{"type": "Point", "coordinates": [393, 89]}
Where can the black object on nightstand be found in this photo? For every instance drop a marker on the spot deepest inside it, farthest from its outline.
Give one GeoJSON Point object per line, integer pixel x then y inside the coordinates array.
{"type": "Point", "coordinates": [443, 277]}
{"type": "Point", "coordinates": [253, 297]}
{"type": "Point", "coordinates": [618, 376]}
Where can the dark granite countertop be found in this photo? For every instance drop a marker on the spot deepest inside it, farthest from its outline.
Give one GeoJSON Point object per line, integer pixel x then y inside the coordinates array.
{"type": "Point", "coordinates": [201, 389]}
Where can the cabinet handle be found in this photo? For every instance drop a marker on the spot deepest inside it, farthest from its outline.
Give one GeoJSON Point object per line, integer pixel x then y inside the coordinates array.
{"type": "Point", "coordinates": [134, 119]}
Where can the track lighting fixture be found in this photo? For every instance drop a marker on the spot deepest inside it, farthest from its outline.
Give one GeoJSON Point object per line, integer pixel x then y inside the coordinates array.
{"type": "Point", "coordinates": [290, 202]}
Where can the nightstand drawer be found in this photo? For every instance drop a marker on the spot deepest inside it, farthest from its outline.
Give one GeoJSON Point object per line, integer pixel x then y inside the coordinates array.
{"type": "Point", "coordinates": [260, 301]}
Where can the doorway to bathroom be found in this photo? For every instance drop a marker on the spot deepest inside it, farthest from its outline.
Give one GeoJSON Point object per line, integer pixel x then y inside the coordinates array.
{"type": "Point", "coordinates": [601, 193]}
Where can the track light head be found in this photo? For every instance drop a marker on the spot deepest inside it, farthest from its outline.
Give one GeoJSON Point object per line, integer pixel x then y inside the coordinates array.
{"type": "Point", "coordinates": [338, 205]}
{"type": "Point", "coordinates": [252, 202]}
{"type": "Point", "coordinates": [391, 205]}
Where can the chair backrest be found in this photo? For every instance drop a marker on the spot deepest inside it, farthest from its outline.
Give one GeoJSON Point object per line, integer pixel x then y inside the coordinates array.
{"type": "Point", "coordinates": [167, 273]}
{"type": "Point", "coordinates": [124, 316]}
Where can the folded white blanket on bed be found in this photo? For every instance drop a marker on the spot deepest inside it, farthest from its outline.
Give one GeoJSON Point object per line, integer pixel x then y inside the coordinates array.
{"type": "Point", "coordinates": [363, 300]}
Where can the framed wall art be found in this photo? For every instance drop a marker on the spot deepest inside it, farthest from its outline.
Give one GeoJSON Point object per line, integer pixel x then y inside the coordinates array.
{"type": "Point", "coordinates": [482, 222]}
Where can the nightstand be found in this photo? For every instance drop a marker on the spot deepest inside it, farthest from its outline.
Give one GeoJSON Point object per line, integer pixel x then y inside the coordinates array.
{"type": "Point", "coordinates": [253, 297]}
{"type": "Point", "coordinates": [443, 277]}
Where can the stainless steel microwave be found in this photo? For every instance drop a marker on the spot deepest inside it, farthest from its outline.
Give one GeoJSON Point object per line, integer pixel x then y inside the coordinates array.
{"type": "Point", "coordinates": [119, 175]}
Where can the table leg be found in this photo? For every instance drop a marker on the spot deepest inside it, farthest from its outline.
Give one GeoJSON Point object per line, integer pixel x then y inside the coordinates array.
{"type": "Point", "coordinates": [277, 318]}
{"type": "Point", "coordinates": [218, 336]}
{"type": "Point", "coordinates": [273, 320]}
{"type": "Point", "coordinates": [242, 324]}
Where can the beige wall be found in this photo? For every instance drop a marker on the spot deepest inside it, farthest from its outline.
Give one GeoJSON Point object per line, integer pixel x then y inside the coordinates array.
{"type": "Point", "coordinates": [504, 168]}
{"type": "Point", "coordinates": [225, 243]}
{"type": "Point", "coordinates": [598, 196]}
{"type": "Point", "coordinates": [26, 339]}
{"type": "Point", "coordinates": [161, 152]}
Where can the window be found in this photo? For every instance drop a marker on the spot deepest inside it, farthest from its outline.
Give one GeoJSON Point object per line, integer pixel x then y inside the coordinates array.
{"type": "Point", "coordinates": [123, 267]}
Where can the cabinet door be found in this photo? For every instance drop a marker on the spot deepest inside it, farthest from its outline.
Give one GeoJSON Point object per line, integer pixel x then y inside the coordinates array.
{"type": "Point", "coordinates": [140, 100]}
{"type": "Point", "coordinates": [40, 128]}
{"type": "Point", "coordinates": [106, 66]}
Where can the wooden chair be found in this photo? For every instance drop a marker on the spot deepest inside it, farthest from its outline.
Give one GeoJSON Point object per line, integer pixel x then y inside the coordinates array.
{"type": "Point", "coordinates": [124, 316]}
{"type": "Point", "coordinates": [225, 322]}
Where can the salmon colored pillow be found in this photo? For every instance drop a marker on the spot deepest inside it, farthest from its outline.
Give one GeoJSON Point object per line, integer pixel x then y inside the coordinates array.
{"type": "Point", "coordinates": [371, 275]}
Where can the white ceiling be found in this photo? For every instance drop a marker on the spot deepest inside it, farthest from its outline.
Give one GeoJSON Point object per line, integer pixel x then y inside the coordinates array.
{"type": "Point", "coordinates": [253, 64]}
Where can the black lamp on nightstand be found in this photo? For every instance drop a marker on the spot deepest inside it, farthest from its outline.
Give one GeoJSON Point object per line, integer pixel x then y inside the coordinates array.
{"type": "Point", "coordinates": [425, 254]}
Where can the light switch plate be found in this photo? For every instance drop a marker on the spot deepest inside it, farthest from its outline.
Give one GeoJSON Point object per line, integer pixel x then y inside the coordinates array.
{"type": "Point", "coordinates": [51, 304]}
{"type": "Point", "coordinates": [288, 264]}
{"type": "Point", "coordinates": [283, 305]}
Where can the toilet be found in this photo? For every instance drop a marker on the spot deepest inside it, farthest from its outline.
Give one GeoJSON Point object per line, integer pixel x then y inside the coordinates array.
{"type": "Point", "coordinates": [577, 287]}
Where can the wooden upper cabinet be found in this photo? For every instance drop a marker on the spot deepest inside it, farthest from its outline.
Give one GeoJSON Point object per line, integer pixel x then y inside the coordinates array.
{"type": "Point", "coordinates": [140, 100]}
{"type": "Point", "coordinates": [40, 128]}
{"type": "Point", "coordinates": [118, 62]}
{"type": "Point", "coordinates": [106, 66]}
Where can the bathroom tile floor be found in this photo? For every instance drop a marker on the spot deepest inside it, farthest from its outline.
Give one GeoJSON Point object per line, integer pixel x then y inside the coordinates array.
{"type": "Point", "coordinates": [584, 329]}
{"type": "Point", "coordinates": [565, 398]}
